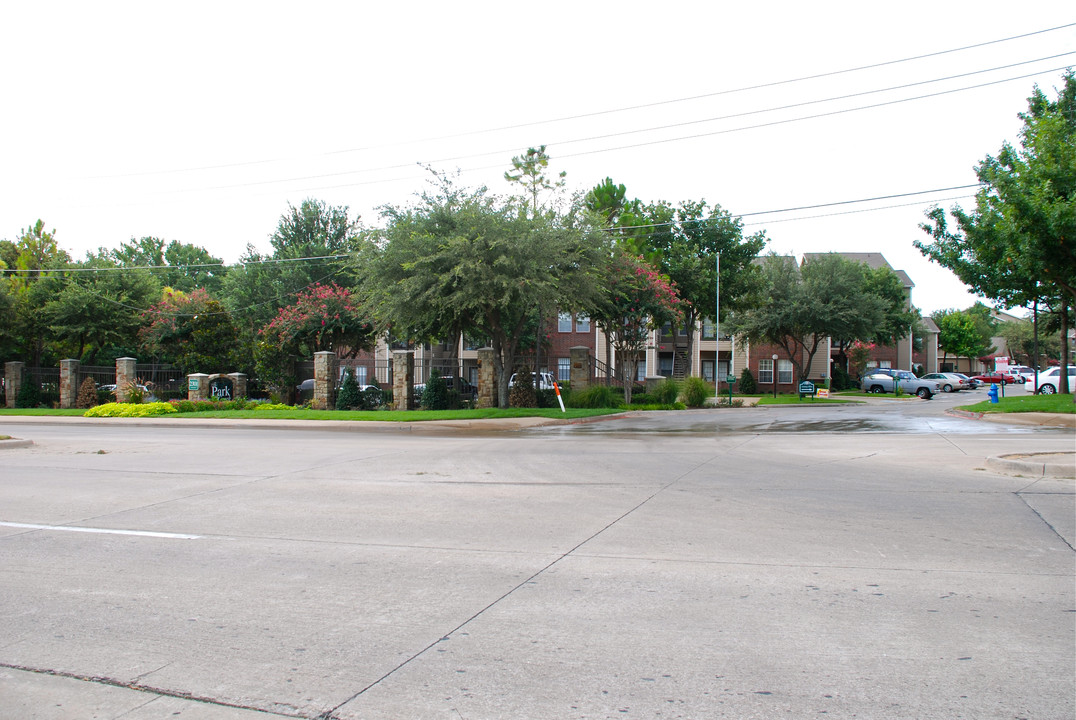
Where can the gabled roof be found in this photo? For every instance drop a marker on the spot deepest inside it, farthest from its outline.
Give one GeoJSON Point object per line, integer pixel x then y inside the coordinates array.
{"type": "Point", "coordinates": [872, 260]}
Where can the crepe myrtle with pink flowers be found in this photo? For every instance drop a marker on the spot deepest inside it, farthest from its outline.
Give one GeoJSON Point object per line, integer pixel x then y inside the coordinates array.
{"type": "Point", "coordinates": [323, 317]}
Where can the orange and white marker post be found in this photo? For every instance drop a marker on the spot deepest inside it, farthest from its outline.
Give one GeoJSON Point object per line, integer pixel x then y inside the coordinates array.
{"type": "Point", "coordinates": [559, 398]}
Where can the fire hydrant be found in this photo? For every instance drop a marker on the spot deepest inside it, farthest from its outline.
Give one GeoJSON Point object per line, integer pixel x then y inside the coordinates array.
{"type": "Point", "coordinates": [992, 393]}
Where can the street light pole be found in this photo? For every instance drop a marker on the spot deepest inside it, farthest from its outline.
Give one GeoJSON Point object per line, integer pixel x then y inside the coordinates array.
{"type": "Point", "coordinates": [717, 331]}
{"type": "Point", "coordinates": [775, 376]}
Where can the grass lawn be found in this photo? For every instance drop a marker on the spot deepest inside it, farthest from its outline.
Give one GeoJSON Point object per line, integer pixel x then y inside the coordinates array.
{"type": "Point", "coordinates": [357, 415]}
{"type": "Point", "coordinates": [1027, 403]}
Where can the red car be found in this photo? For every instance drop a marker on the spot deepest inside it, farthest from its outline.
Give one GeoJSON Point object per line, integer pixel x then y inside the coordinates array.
{"type": "Point", "coordinates": [1000, 378]}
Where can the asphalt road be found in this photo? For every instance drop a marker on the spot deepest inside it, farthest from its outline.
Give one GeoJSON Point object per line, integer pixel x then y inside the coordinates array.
{"type": "Point", "coordinates": [747, 563]}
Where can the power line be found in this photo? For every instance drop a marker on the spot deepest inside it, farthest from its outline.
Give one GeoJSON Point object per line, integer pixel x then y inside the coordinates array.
{"type": "Point", "coordinates": [629, 108]}
{"type": "Point", "coordinates": [696, 136]}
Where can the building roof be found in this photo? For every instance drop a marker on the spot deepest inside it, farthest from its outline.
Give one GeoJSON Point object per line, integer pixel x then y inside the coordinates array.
{"type": "Point", "coordinates": [929, 325]}
{"type": "Point", "coordinates": [872, 260]}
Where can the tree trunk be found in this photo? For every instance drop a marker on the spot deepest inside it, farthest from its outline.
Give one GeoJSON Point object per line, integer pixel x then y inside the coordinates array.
{"type": "Point", "coordinates": [1063, 381]}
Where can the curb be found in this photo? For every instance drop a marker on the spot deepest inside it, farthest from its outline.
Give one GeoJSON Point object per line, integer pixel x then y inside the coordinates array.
{"type": "Point", "coordinates": [1060, 465]}
{"type": "Point", "coordinates": [15, 443]}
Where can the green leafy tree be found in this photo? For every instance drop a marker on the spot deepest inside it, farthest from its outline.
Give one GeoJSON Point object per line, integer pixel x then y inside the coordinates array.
{"type": "Point", "coordinates": [194, 331]}
{"type": "Point", "coordinates": [960, 334]}
{"type": "Point", "coordinates": [180, 266]}
{"type": "Point", "coordinates": [1016, 247]}
{"type": "Point", "coordinates": [1020, 338]}
{"type": "Point", "coordinates": [688, 249]}
{"type": "Point", "coordinates": [471, 262]}
{"type": "Point", "coordinates": [529, 171]}
{"type": "Point", "coordinates": [94, 308]}
{"type": "Point", "coordinates": [36, 254]}
{"type": "Point", "coordinates": [638, 300]}
{"type": "Point", "coordinates": [313, 244]}
{"type": "Point", "coordinates": [799, 308]}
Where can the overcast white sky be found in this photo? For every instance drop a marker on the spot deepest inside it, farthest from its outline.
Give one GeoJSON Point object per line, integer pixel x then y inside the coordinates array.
{"type": "Point", "coordinates": [200, 122]}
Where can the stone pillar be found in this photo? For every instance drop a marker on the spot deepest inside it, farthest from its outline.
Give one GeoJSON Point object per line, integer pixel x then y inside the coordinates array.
{"type": "Point", "coordinates": [69, 383]}
{"type": "Point", "coordinates": [324, 380]}
{"type": "Point", "coordinates": [125, 377]}
{"type": "Point", "coordinates": [197, 386]}
{"type": "Point", "coordinates": [403, 379]}
{"type": "Point", "coordinates": [579, 374]}
{"type": "Point", "coordinates": [487, 379]}
{"type": "Point", "coordinates": [239, 385]}
{"type": "Point", "coordinates": [13, 372]}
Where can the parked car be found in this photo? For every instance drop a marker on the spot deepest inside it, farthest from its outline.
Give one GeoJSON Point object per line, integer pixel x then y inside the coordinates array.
{"type": "Point", "coordinates": [545, 382]}
{"type": "Point", "coordinates": [972, 382]}
{"type": "Point", "coordinates": [1027, 373]}
{"type": "Point", "coordinates": [1050, 381]}
{"type": "Point", "coordinates": [881, 382]}
{"type": "Point", "coordinates": [949, 382]}
{"type": "Point", "coordinates": [1000, 378]}
{"type": "Point", "coordinates": [466, 390]}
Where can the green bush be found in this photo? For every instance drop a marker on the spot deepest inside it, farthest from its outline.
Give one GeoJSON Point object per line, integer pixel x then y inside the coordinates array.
{"type": "Point", "coordinates": [29, 395]}
{"type": "Point", "coordinates": [349, 396]}
{"type": "Point", "coordinates": [666, 392]}
{"type": "Point", "coordinates": [748, 386]}
{"type": "Point", "coordinates": [841, 379]}
{"type": "Point", "coordinates": [695, 392]}
{"type": "Point", "coordinates": [435, 395]}
{"type": "Point", "coordinates": [547, 398]}
{"type": "Point", "coordinates": [522, 395]}
{"type": "Point", "coordinates": [374, 397]}
{"type": "Point", "coordinates": [595, 396]}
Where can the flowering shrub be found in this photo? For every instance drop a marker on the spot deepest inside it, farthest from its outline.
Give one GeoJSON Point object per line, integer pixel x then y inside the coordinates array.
{"type": "Point", "coordinates": [325, 317]}
{"type": "Point", "coordinates": [858, 354]}
{"type": "Point", "coordinates": [192, 330]}
{"type": "Point", "coordinates": [130, 410]}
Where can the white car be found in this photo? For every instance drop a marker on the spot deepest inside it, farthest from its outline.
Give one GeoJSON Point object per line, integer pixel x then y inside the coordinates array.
{"type": "Point", "coordinates": [949, 382]}
{"type": "Point", "coordinates": [544, 382]}
{"type": "Point", "coordinates": [1050, 381]}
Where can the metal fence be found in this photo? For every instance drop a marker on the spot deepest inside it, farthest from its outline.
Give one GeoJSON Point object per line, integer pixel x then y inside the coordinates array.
{"type": "Point", "coordinates": [165, 382]}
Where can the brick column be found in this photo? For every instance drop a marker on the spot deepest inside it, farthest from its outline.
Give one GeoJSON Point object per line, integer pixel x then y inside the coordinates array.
{"type": "Point", "coordinates": [579, 374]}
{"type": "Point", "coordinates": [13, 372]}
{"type": "Point", "coordinates": [487, 379]}
{"type": "Point", "coordinates": [69, 383]}
{"type": "Point", "coordinates": [324, 380]}
{"type": "Point", "coordinates": [239, 385]}
{"type": "Point", "coordinates": [197, 386]}
{"type": "Point", "coordinates": [403, 379]}
{"type": "Point", "coordinates": [125, 377]}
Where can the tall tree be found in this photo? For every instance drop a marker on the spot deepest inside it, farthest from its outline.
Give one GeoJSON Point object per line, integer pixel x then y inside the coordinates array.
{"type": "Point", "coordinates": [638, 300]}
{"type": "Point", "coordinates": [95, 308]}
{"type": "Point", "coordinates": [36, 252]}
{"type": "Point", "coordinates": [962, 334]}
{"type": "Point", "coordinates": [471, 260]}
{"type": "Point", "coordinates": [194, 331]}
{"type": "Point", "coordinates": [177, 265]}
{"type": "Point", "coordinates": [798, 308]}
{"type": "Point", "coordinates": [688, 249]}
{"type": "Point", "coordinates": [529, 171]}
{"type": "Point", "coordinates": [1016, 247]}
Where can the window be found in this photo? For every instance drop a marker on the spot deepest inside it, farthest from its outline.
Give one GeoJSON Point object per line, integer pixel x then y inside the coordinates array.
{"type": "Point", "coordinates": [564, 322]}
{"type": "Point", "coordinates": [722, 369]}
{"type": "Point", "coordinates": [885, 363]}
{"type": "Point", "coordinates": [765, 371]}
{"type": "Point", "coordinates": [582, 323]}
{"type": "Point", "coordinates": [708, 370]}
{"type": "Point", "coordinates": [784, 372]}
{"type": "Point", "coordinates": [708, 330]}
{"type": "Point", "coordinates": [360, 375]}
{"type": "Point", "coordinates": [564, 369]}
{"type": "Point", "coordinates": [665, 365]}
{"type": "Point", "coordinates": [640, 370]}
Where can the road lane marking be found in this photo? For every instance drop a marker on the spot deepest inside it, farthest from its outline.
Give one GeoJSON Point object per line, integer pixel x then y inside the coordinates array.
{"type": "Point", "coordinates": [105, 531]}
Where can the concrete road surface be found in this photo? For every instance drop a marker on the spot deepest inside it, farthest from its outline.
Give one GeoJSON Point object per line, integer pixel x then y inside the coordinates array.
{"type": "Point", "coordinates": [752, 563]}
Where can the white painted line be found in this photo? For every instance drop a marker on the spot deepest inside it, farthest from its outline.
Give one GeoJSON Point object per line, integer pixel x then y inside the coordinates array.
{"type": "Point", "coordinates": [106, 531]}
